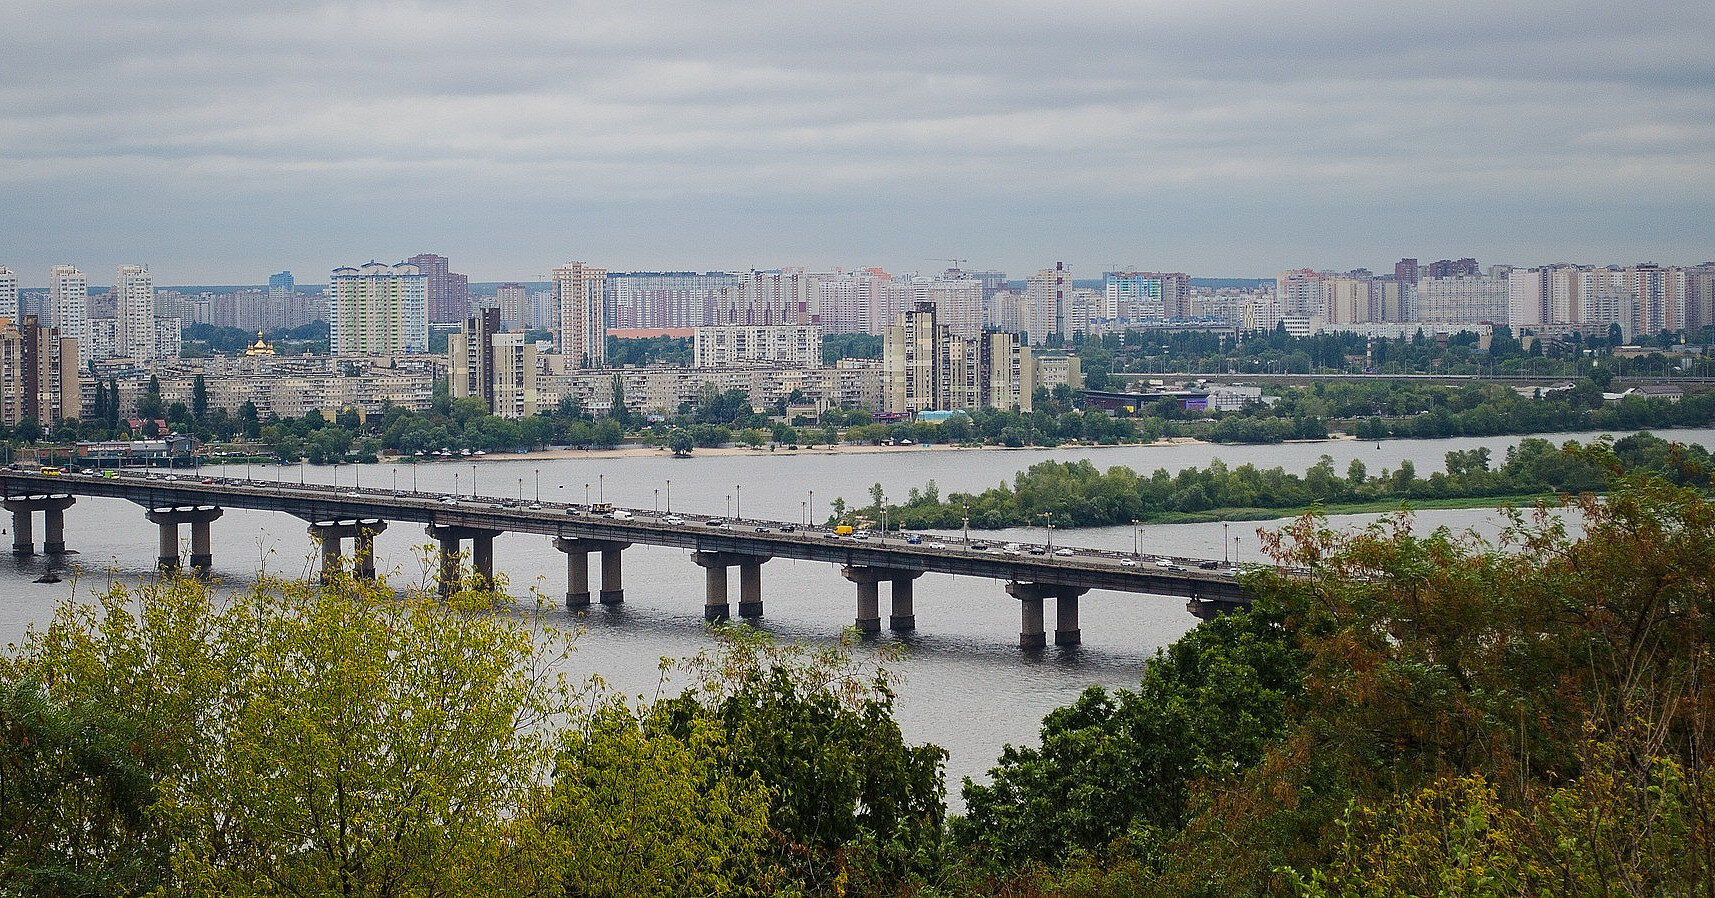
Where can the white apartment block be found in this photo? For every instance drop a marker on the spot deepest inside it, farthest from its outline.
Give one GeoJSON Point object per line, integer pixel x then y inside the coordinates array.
{"type": "Point", "coordinates": [134, 299]}
{"type": "Point", "coordinates": [169, 338]}
{"type": "Point", "coordinates": [579, 290]}
{"type": "Point", "coordinates": [1463, 300]}
{"type": "Point", "coordinates": [378, 310]}
{"type": "Point", "coordinates": [728, 346]}
{"type": "Point", "coordinates": [9, 294]}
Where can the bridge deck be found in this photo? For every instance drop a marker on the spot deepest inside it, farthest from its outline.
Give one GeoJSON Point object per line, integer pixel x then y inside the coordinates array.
{"type": "Point", "coordinates": [1083, 568]}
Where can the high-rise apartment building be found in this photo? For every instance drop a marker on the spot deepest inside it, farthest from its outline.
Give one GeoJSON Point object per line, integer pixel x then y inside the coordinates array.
{"type": "Point", "coordinates": [447, 293]}
{"type": "Point", "coordinates": [1453, 268]}
{"type": "Point", "coordinates": [470, 357]}
{"type": "Point", "coordinates": [768, 297]}
{"type": "Point", "coordinates": [378, 310]}
{"type": "Point", "coordinates": [1405, 271]}
{"type": "Point", "coordinates": [38, 374]}
{"type": "Point", "coordinates": [68, 298]}
{"type": "Point", "coordinates": [281, 288]}
{"type": "Point", "coordinates": [134, 298]}
{"type": "Point", "coordinates": [1047, 296]}
{"type": "Point", "coordinates": [1146, 296]}
{"type": "Point", "coordinates": [497, 367]}
{"type": "Point", "coordinates": [926, 367]}
{"type": "Point", "coordinates": [1463, 299]}
{"type": "Point", "coordinates": [582, 338]}
{"type": "Point", "coordinates": [1350, 299]}
{"type": "Point", "coordinates": [650, 299]}
{"type": "Point", "coordinates": [515, 366]}
{"type": "Point", "coordinates": [853, 302]}
{"type": "Point", "coordinates": [1660, 295]}
{"type": "Point", "coordinates": [1301, 293]}
{"type": "Point", "coordinates": [9, 293]}
{"type": "Point", "coordinates": [1700, 296]}
{"type": "Point", "coordinates": [958, 303]}
{"type": "Point", "coordinates": [1529, 297]}
{"type": "Point", "coordinates": [511, 299]}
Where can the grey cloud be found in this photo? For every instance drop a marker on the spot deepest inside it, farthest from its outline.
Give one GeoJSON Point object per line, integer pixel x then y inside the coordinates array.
{"type": "Point", "coordinates": [1226, 133]}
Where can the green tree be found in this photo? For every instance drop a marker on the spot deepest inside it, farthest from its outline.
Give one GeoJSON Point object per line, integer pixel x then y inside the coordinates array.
{"type": "Point", "coordinates": [199, 399]}
{"type": "Point", "coordinates": [853, 807]}
{"type": "Point", "coordinates": [680, 442]}
{"type": "Point", "coordinates": [302, 739]}
{"type": "Point", "coordinates": [645, 804]}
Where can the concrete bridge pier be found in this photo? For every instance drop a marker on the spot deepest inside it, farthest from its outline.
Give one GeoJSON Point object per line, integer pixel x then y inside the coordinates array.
{"type": "Point", "coordinates": [578, 552]}
{"type": "Point", "coordinates": [200, 517]}
{"type": "Point", "coordinates": [23, 509]}
{"type": "Point", "coordinates": [577, 570]}
{"type": "Point", "coordinates": [901, 616]}
{"type": "Point", "coordinates": [1031, 633]}
{"type": "Point", "coordinates": [332, 536]}
{"type": "Point", "coordinates": [901, 613]}
{"type": "Point", "coordinates": [612, 588]}
{"type": "Point", "coordinates": [714, 565]}
{"type": "Point", "coordinates": [449, 536]}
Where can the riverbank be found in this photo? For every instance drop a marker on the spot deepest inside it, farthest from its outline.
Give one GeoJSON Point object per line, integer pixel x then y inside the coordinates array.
{"type": "Point", "coordinates": [1217, 515]}
{"type": "Point", "coordinates": [839, 449]}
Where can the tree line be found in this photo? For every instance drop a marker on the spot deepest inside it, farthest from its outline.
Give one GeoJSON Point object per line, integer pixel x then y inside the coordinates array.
{"type": "Point", "coordinates": [1078, 494]}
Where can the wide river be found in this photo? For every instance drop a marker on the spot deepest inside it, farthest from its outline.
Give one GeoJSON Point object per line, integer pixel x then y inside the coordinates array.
{"type": "Point", "coordinates": [964, 683]}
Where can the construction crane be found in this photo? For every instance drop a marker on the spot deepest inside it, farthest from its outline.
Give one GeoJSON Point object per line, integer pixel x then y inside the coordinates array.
{"type": "Point", "coordinates": [958, 264]}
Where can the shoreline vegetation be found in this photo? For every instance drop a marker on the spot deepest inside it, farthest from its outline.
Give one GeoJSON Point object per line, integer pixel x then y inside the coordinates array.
{"type": "Point", "coordinates": [1078, 494]}
{"type": "Point", "coordinates": [1404, 715]}
{"type": "Point", "coordinates": [722, 422]}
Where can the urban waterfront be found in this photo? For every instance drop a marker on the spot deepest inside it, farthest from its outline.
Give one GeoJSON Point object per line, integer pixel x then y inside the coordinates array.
{"type": "Point", "coordinates": [965, 684]}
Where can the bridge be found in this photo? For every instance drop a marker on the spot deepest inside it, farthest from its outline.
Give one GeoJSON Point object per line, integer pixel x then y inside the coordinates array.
{"type": "Point", "coordinates": [1032, 573]}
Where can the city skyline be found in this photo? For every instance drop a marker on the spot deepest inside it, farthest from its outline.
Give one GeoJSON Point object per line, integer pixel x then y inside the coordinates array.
{"type": "Point", "coordinates": [1235, 139]}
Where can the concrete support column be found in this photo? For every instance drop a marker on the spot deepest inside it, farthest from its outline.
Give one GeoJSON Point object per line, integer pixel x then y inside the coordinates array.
{"type": "Point", "coordinates": [202, 546]}
{"type": "Point", "coordinates": [868, 580]}
{"type": "Point", "coordinates": [901, 613]}
{"type": "Point", "coordinates": [363, 548]}
{"type": "Point", "coordinates": [482, 559]}
{"type": "Point", "coordinates": [577, 572]}
{"type": "Point", "coordinates": [750, 587]}
{"type": "Point", "coordinates": [23, 509]}
{"type": "Point", "coordinates": [612, 589]}
{"type": "Point", "coordinates": [1030, 596]}
{"type": "Point", "coordinates": [449, 555]}
{"type": "Point", "coordinates": [714, 566]}
{"type": "Point", "coordinates": [1066, 630]}
{"type": "Point", "coordinates": [54, 533]}
{"type": "Point", "coordinates": [869, 606]}
{"type": "Point", "coordinates": [169, 519]}
{"type": "Point", "coordinates": [168, 557]}
{"type": "Point", "coordinates": [23, 532]}
{"type": "Point", "coordinates": [331, 541]}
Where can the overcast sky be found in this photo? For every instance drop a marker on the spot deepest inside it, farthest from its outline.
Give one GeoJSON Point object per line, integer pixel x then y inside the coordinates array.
{"type": "Point", "coordinates": [217, 142]}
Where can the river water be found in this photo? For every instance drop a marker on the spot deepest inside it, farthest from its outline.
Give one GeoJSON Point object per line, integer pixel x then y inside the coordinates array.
{"type": "Point", "coordinates": [964, 684]}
